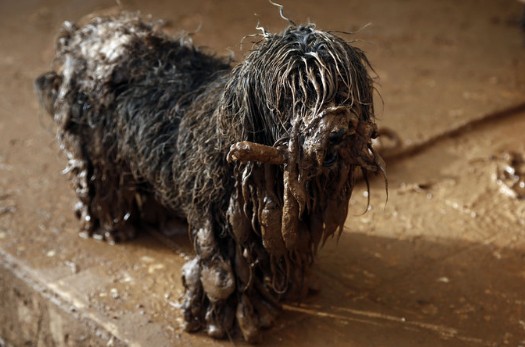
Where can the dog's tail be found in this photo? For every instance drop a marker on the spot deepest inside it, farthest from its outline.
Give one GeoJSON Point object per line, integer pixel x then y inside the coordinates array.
{"type": "Point", "coordinates": [47, 86]}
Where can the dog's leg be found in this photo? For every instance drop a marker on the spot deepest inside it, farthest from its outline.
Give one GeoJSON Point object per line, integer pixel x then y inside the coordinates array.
{"type": "Point", "coordinates": [209, 282]}
{"type": "Point", "coordinates": [232, 278]}
{"type": "Point", "coordinates": [115, 202]}
{"type": "Point", "coordinates": [79, 167]}
{"type": "Point", "coordinates": [194, 299]}
{"type": "Point", "coordinates": [106, 207]}
{"type": "Point", "coordinates": [256, 307]}
{"type": "Point", "coordinates": [257, 303]}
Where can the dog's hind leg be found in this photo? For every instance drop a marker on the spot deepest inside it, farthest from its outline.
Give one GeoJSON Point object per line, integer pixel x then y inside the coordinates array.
{"type": "Point", "coordinates": [106, 207]}
{"type": "Point", "coordinates": [78, 168]}
{"type": "Point", "coordinates": [114, 202]}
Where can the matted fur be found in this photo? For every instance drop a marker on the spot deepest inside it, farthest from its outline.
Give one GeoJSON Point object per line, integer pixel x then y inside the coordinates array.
{"type": "Point", "coordinates": [147, 122]}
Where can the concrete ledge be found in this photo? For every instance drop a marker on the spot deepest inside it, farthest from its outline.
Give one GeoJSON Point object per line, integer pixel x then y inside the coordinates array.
{"type": "Point", "coordinates": [108, 302]}
{"type": "Point", "coordinates": [32, 314]}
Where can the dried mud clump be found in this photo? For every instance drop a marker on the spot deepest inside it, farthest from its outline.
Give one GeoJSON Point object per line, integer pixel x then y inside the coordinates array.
{"type": "Point", "coordinates": [510, 174]}
{"type": "Point", "coordinates": [259, 158]}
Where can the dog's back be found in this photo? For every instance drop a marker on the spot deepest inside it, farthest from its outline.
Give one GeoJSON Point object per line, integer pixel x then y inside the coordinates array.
{"type": "Point", "coordinates": [118, 93]}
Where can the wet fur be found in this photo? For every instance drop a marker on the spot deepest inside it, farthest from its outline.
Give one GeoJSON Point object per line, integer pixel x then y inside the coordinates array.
{"type": "Point", "coordinates": [146, 122]}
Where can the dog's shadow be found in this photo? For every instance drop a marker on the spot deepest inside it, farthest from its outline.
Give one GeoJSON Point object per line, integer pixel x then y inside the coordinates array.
{"type": "Point", "coordinates": [388, 292]}
{"type": "Point", "coordinates": [381, 291]}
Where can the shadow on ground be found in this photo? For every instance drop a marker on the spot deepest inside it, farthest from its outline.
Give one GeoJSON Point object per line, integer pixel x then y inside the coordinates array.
{"type": "Point", "coordinates": [380, 291]}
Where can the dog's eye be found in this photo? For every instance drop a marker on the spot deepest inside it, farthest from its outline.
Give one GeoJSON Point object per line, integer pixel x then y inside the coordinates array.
{"type": "Point", "coordinates": [336, 136]}
{"type": "Point", "coordinates": [320, 47]}
{"type": "Point", "coordinates": [330, 158]}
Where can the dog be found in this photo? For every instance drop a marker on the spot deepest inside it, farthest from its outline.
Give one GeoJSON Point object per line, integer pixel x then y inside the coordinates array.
{"type": "Point", "coordinates": [260, 158]}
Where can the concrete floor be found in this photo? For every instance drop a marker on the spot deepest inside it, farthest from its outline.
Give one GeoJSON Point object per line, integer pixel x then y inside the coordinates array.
{"type": "Point", "coordinates": [441, 264]}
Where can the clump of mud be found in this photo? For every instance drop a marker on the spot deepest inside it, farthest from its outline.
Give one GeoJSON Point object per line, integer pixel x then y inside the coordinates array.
{"type": "Point", "coordinates": [511, 174]}
{"type": "Point", "coordinates": [259, 158]}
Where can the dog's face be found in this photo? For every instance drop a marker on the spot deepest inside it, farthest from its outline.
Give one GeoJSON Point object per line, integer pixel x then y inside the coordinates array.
{"type": "Point", "coordinates": [338, 135]}
{"type": "Point", "coordinates": [335, 144]}
{"type": "Point", "coordinates": [307, 96]}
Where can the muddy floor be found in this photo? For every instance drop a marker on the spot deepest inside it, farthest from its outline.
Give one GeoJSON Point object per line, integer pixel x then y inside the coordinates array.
{"type": "Point", "coordinates": [441, 263]}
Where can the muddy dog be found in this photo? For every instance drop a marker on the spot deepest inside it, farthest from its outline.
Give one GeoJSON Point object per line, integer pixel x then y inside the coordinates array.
{"type": "Point", "coordinates": [259, 158]}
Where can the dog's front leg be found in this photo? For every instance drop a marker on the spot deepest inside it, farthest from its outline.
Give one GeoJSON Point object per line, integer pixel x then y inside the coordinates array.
{"type": "Point", "coordinates": [209, 284]}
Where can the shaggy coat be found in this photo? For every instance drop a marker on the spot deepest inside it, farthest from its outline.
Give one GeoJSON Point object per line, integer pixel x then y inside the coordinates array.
{"type": "Point", "coordinates": [260, 159]}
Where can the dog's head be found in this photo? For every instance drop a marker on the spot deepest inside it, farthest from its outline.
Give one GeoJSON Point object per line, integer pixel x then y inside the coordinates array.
{"type": "Point", "coordinates": [303, 101]}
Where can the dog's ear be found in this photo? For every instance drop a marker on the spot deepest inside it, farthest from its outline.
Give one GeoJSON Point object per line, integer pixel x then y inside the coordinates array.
{"type": "Point", "coordinates": [46, 87]}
